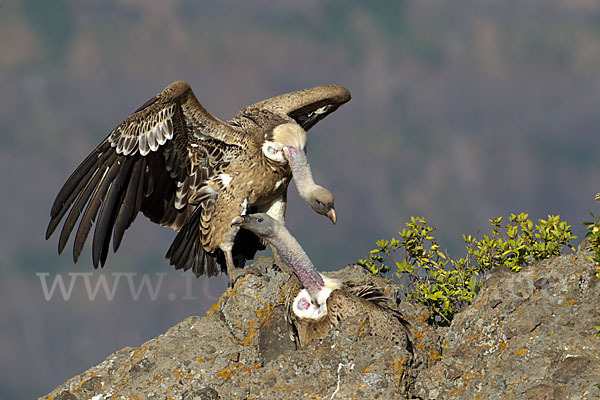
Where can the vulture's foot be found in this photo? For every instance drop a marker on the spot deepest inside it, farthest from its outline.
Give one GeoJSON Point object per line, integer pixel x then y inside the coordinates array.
{"type": "Point", "coordinates": [238, 273]}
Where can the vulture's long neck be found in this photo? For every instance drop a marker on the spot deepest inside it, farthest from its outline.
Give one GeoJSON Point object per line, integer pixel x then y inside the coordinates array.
{"type": "Point", "coordinates": [295, 255]}
{"type": "Point", "coordinates": [301, 172]}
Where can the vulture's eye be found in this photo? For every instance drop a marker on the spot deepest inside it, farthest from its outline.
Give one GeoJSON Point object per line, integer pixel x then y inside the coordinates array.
{"type": "Point", "coordinates": [259, 220]}
{"type": "Point", "coordinates": [319, 202]}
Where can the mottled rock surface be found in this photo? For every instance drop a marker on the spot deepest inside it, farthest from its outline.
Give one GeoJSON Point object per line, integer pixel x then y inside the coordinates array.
{"type": "Point", "coordinates": [529, 335]}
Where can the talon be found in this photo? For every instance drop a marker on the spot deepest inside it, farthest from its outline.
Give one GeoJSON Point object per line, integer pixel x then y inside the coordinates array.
{"type": "Point", "coordinates": [282, 267]}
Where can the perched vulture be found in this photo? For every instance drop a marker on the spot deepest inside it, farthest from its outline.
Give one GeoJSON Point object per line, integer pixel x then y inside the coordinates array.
{"type": "Point", "coordinates": [184, 168]}
{"type": "Point", "coordinates": [315, 303]}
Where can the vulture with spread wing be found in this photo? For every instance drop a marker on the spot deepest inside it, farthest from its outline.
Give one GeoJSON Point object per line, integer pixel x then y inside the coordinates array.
{"type": "Point", "coordinates": [184, 168]}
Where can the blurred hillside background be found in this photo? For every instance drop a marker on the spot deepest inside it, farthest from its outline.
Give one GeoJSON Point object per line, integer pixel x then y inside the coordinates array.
{"type": "Point", "coordinates": [461, 111]}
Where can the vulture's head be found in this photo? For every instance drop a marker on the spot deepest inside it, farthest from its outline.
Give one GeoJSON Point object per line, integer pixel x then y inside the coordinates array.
{"type": "Point", "coordinates": [321, 200]}
{"type": "Point", "coordinates": [260, 224]}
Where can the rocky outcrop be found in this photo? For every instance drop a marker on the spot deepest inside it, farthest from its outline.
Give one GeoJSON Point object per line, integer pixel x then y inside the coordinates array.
{"type": "Point", "coordinates": [527, 335]}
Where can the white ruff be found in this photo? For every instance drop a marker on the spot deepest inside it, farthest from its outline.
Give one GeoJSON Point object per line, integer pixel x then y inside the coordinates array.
{"type": "Point", "coordinates": [319, 310]}
{"type": "Point", "coordinates": [331, 283]}
{"type": "Point", "coordinates": [313, 312]}
{"type": "Point", "coordinates": [273, 151]}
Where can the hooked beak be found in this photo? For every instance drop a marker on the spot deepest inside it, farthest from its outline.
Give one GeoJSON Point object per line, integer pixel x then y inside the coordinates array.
{"type": "Point", "coordinates": [240, 219]}
{"type": "Point", "coordinates": [331, 215]}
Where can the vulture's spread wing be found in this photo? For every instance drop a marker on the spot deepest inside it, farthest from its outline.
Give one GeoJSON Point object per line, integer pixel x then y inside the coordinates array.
{"type": "Point", "coordinates": [306, 107]}
{"type": "Point", "coordinates": [152, 162]}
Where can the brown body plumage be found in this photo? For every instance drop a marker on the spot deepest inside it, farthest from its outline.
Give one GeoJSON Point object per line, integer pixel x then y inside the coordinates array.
{"type": "Point", "coordinates": [347, 301]}
{"type": "Point", "coordinates": [184, 168]}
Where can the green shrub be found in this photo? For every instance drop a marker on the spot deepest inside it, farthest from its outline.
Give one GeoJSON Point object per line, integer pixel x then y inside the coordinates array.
{"type": "Point", "coordinates": [593, 237]}
{"type": "Point", "coordinates": [426, 275]}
